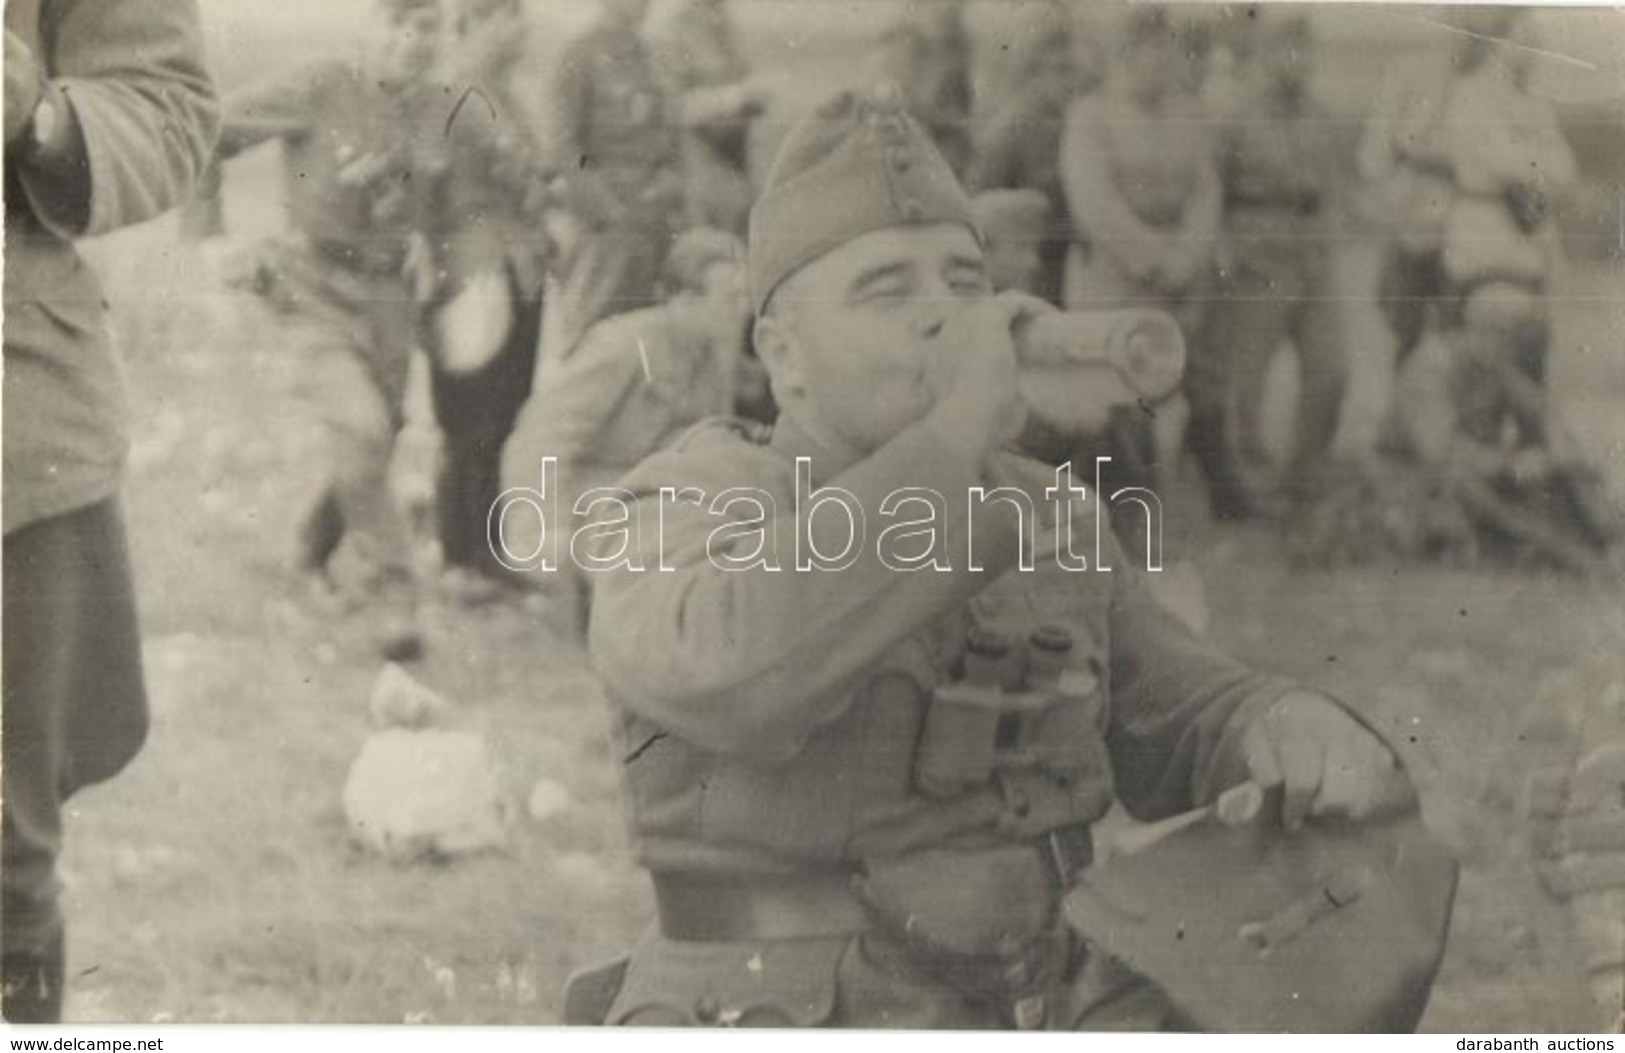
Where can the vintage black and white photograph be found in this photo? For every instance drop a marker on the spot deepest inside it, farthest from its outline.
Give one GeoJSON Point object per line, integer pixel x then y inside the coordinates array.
{"type": "Point", "coordinates": [1026, 515]}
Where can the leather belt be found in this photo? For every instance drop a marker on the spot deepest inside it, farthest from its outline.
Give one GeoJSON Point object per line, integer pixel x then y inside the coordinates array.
{"type": "Point", "coordinates": [704, 908]}
{"type": "Point", "coordinates": [707, 908]}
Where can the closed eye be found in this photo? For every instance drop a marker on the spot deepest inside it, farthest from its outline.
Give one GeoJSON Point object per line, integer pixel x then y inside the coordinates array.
{"type": "Point", "coordinates": [883, 284]}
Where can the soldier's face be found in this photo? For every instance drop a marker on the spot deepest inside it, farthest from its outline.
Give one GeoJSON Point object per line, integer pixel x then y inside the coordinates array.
{"type": "Point", "coordinates": [851, 337]}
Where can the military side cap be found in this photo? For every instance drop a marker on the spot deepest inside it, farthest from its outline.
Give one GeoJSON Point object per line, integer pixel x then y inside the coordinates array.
{"type": "Point", "coordinates": [858, 164]}
{"type": "Point", "coordinates": [1338, 927]}
{"type": "Point", "coordinates": [1011, 215]}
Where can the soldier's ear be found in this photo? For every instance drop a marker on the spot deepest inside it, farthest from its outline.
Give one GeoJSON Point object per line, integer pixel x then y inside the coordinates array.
{"type": "Point", "coordinates": [780, 352]}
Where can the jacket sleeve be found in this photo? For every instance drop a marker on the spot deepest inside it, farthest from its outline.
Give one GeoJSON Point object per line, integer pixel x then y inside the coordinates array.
{"type": "Point", "coordinates": [134, 75]}
{"type": "Point", "coordinates": [1179, 705]}
{"type": "Point", "coordinates": [280, 107]}
{"type": "Point", "coordinates": [753, 661]}
{"type": "Point", "coordinates": [586, 392]}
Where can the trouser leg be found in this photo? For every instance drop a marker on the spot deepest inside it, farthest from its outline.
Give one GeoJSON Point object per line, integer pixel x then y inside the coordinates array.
{"type": "Point", "coordinates": [1323, 373]}
{"type": "Point", "coordinates": [320, 531]}
{"type": "Point", "coordinates": [1410, 281]}
{"type": "Point", "coordinates": [476, 413]}
{"type": "Point", "coordinates": [359, 426]}
{"type": "Point", "coordinates": [75, 713]}
{"type": "Point", "coordinates": [1130, 442]}
{"type": "Point", "coordinates": [1244, 326]}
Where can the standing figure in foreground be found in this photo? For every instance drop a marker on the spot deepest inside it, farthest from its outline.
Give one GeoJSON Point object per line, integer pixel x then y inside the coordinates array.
{"type": "Point", "coordinates": [483, 322]}
{"type": "Point", "coordinates": [825, 847]}
{"type": "Point", "coordinates": [363, 147]}
{"type": "Point", "coordinates": [716, 101]}
{"type": "Point", "coordinates": [1137, 168]}
{"type": "Point", "coordinates": [110, 116]}
{"type": "Point", "coordinates": [1274, 268]}
{"type": "Point", "coordinates": [616, 147]}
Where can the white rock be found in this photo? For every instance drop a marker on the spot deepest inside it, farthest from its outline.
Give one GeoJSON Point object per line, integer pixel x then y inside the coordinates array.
{"type": "Point", "coordinates": [399, 701]}
{"type": "Point", "coordinates": [412, 794]}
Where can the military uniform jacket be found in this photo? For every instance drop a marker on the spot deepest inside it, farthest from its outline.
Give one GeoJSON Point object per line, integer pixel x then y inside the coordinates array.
{"type": "Point", "coordinates": [614, 138]}
{"type": "Point", "coordinates": [770, 719]}
{"type": "Point", "coordinates": [1276, 172]}
{"type": "Point", "coordinates": [631, 386]}
{"type": "Point", "coordinates": [134, 73]}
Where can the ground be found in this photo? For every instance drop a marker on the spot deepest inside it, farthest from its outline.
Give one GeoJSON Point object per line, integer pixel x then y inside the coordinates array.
{"type": "Point", "coordinates": [213, 880]}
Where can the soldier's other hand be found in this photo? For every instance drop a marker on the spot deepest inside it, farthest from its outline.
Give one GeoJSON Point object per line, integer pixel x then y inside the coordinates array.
{"type": "Point", "coordinates": [973, 373]}
{"type": "Point", "coordinates": [24, 86]}
{"type": "Point", "coordinates": [1327, 764]}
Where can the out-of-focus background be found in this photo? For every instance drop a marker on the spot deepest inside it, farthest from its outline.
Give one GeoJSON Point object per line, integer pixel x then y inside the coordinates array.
{"type": "Point", "coordinates": [214, 880]}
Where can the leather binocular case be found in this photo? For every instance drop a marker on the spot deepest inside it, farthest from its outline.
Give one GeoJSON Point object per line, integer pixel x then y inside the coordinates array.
{"type": "Point", "coordinates": [1337, 927]}
{"type": "Point", "coordinates": [1014, 709]}
{"type": "Point", "coordinates": [1075, 366]}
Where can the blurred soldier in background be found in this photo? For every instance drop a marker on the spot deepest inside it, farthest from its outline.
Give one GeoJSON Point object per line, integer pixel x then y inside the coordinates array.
{"type": "Point", "coordinates": [483, 323]}
{"type": "Point", "coordinates": [633, 384]}
{"type": "Point", "coordinates": [1138, 172]}
{"type": "Point", "coordinates": [109, 114]}
{"type": "Point", "coordinates": [716, 101]}
{"type": "Point", "coordinates": [1405, 162]}
{"type": "Point", "coordinates": [1019, 149]}
{"type": "Point", "coordinates": [617, 148]}
{"type": "Point", "coordinates": [364, 144]}
{"type": "Point", "coordinates": [1014, 224]}
{"type": "Point", "coordinates": [926, 55]}
{"type": "Point", "coordinates": [1473, 420]}
{"type": "Point", "coordinates": [1512, 169]}
{"type": "Point", "coordinates": [1276, 162]}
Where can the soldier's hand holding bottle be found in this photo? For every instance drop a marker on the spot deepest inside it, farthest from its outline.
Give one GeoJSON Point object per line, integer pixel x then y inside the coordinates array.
{"type": "Point", "coordinates": [1327, 764]}
{"type": "Point", "coordinates": [974, 373]}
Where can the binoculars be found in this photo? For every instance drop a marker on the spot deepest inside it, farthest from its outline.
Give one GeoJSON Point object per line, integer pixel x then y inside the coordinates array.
{"type": "Point", "coordinates": [1015, 709]}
